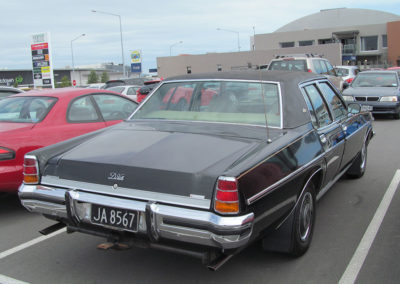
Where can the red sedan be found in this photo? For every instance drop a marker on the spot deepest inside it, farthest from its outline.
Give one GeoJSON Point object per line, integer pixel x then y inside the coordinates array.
{"type": "Point", "coordinates": [40, 118]}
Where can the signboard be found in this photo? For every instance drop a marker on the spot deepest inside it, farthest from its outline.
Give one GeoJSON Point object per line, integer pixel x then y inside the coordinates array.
{"type": "Point", "coordinates": [136, 61]}
{"type": "Point", "coordinates": [41, 61]}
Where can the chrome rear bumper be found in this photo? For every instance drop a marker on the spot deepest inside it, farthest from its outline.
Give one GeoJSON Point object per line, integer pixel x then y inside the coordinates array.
{"type": "Point", "coordinates": [158, 221]}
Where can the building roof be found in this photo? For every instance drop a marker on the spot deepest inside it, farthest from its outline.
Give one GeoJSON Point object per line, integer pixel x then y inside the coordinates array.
{"type": "Point", "coordinates": [336, 18]}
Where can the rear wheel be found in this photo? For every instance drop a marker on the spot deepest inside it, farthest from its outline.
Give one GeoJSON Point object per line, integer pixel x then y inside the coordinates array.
{"type": "Point", "coordinates": [359, 165]}
{"type": "Point", "coordinates": [304, 221]}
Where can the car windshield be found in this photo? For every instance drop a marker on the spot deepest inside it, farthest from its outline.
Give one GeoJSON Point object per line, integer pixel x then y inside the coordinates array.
{"type": "Point", "coordinates": [289, 65]}
{"type": "Point", "coordinates": [25, 109]}
{"type": "Point", "coordinates": [375, 80]}
{"type": "Point", "coordinates": [215, 101]}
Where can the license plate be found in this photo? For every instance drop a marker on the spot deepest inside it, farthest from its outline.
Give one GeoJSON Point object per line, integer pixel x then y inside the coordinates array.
{"type": "Point", "coordinates": [115, 217]}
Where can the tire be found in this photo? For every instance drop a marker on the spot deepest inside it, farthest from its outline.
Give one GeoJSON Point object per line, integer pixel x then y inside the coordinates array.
{"type": "Point", "coordinates": [304, 222]}
{"type": "Point", "coordinates": [396, 115]}
{"type": "Point", "coordinates": [359, 165]}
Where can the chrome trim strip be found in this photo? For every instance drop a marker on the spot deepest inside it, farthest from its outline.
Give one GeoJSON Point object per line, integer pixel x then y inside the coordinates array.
{"type": "Point", "coordinates": [127, 192]}
{"type": "Point", "coordinates": [270, 188]}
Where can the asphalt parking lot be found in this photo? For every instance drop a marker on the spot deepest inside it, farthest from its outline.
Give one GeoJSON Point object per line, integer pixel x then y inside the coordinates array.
{"type": "Point", "coordinates": [356, 240]}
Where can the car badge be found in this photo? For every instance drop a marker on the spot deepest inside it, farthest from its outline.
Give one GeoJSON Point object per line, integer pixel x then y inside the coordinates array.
{"type": "Point", "coordinates": [115, 186]}
{"type": "Point", "coordinates": [116, 176]}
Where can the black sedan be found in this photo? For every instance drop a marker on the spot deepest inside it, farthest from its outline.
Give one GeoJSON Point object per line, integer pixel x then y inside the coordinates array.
{"type": "Point", "coordinates": [379, 90]}
{"type": "Point", "coordinates": [206, 165]}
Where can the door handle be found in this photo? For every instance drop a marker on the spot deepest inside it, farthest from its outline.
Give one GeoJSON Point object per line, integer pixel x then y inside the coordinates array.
{"type": "Point", "coordinates": [344, 127]}
{"type": "Point", "coordinates": [323, 139]}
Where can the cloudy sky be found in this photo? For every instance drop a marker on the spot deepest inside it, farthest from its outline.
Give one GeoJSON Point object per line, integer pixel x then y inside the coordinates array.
{"type": "Point", "coordinates": [151, 26]}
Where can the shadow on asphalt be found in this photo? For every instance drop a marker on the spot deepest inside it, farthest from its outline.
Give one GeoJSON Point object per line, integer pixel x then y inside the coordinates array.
{"type": "Point", "coordinates": [9, 204]}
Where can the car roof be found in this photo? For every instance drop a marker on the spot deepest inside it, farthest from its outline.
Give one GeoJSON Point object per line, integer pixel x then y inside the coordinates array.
{"type": "Point", "coordinates": [347, 67]}
{"type": "Point", "coordinates": [11, 89]}
{"type": "Point", "coordinates": [64, 93]}
{"type": "Point", "coordinates": [379, 72]}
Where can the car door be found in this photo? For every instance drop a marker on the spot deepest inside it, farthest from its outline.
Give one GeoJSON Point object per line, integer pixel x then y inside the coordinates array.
{"type": "Point", "coordinates": [329, 130]}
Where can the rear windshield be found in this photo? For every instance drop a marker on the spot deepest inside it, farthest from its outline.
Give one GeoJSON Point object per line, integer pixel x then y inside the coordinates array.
{"type": "Point", "coordinates": [25, 109]}
{"type": "Point", "coordinates": [289, 65]}
{"type": "Point", "coordinates": [214, 101]}
{"type": "Point", "coordinates": [375, 80]}
{"type": "Point", "coordinates": [116, 89]}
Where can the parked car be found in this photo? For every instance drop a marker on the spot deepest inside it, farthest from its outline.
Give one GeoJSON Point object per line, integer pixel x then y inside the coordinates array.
{"type": "Point", "coordinates": [245, 160]}
{"type": "Point", "coordinates": [307, 63]}
{"type": "Point", "coordinates": [40, 118]}
{"type": "Point", "coordinates": [378, 89]}
{"type": "Point", "coordinates": [8, 91]}
{"type": "Point", "coordinates": [127, 81]}
{"type": "Point", "coordinates": [348, 73]}
{"type": "Point", "coordinates": [146, 89]}
{"type": "Point", "coordinates": [127, 90]}
{"type": "Point", "coordinates": [397, 69]}
{"type": "Point", "coordinates": [96, 86]}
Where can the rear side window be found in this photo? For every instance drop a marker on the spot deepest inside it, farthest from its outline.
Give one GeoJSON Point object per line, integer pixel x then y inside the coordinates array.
{"type": "Point", "coordinates": [319, 106]}
{"type": "Point", "coordinates": [338, 108]}
{"type": "Point", "coordinates": [82, 110]}
{"type": "Point", "coordinates": [114, 107]}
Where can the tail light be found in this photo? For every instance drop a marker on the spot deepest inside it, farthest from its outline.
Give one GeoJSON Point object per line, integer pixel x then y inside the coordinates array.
{"type": "Point", "coordinates": [6, 154]}
{"type": "Point", "coordinates": [349, 80]}
{"type": "Point", "coordinates": [31, 170]}
{"type": "Point", "coordinates": [227, 196]}
{"type": "Point", "coordinates": [309, 70]}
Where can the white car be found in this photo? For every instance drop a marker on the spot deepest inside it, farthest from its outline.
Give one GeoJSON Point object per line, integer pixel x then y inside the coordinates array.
{"type": "Point", "coordinates": [127, 90]}
{"type": "Point", "coordinates": [348, 73]}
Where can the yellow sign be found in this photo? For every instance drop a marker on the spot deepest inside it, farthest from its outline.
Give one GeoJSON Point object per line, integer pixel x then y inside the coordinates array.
{"type": "Point", "coordinates": [46, 69]}
{"type": "Point", "coordinates": [135, 56]}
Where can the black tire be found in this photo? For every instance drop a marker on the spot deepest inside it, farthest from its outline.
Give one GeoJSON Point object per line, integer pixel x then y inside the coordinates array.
{"type": "Point", "coordinates": [396, 115]}
{"type": "Point", "coordinates": [304, 221]}
{"type": "Point", "coordinates": [359, 165]}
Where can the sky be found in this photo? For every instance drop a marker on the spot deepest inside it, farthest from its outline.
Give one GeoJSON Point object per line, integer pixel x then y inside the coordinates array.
{"type": "Point", "coordinates": [154, 27]}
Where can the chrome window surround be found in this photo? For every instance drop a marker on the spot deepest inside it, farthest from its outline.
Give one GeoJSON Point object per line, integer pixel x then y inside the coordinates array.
{"type": "Point", "coordinates": [218, 80]}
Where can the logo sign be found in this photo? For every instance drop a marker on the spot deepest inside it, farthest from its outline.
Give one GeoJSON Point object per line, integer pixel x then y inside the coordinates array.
{"type": "Point", "coordinates": [136, 57]}
{"type": "Point", "coordinates": [41, 60]}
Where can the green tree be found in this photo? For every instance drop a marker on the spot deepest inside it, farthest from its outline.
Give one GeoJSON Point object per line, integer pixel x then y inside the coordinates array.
{"type": "Point", "coordinates": [65, 82]}
{"type": "Point", "coordinates": [104, 77]}
{"type": "Point", "coordinates": [93, 78]}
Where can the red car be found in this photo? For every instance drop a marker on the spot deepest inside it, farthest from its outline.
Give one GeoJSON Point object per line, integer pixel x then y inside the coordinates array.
{"type": "Point", "coordinates": [148, 86]}
{"type": "Point", "coordinates": [40, 118]}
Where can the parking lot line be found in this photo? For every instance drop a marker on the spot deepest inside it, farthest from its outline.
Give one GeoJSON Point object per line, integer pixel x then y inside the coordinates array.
{"type": "Point", "coordinates": [356, 262]}
{"type": "Point", "coordinates": [7, 280]}
{"type": "Point", "coordinates": [30, 243]}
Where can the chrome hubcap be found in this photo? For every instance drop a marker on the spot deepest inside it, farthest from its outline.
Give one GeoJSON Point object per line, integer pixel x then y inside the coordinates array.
{"type": "Point", "coordinates": [306, 216]}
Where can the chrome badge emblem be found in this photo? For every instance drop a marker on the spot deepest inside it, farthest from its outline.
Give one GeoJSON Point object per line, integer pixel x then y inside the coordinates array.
{"type": "Point", "coordinates": [116, 176]}
{"type": "Point", "coordinates": [115, 186]}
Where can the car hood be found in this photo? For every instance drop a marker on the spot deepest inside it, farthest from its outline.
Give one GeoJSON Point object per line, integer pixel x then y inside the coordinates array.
{"type": "Point", "coordinates": [371, 91]}
{"type": "Point", "coordinates": [180, 163]}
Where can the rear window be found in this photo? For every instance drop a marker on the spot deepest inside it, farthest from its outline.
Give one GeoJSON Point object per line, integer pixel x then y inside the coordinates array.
{"type": "Point", "coordinates": [25, 109]}
{"type": "Point", "coordinates": [214, 101]}
{"type": "Point", "coordinates": [288, 65]}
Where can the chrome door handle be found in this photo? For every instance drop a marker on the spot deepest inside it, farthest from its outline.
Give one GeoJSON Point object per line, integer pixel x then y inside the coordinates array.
{"type": "Point", "coordinates": [323, 139]}
{"type": "Point", "coordinates": [344, 127]}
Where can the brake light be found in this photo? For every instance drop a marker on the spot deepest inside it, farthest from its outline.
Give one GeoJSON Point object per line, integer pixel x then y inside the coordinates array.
{"type": "Point", "coordinates": [349, 80]}
{"type": "Point", "coordinates": [31, 170]}
{"type": "Point", "coordinates": [309, 71]}
{"type": "Point", "coordinates": [6, 154]}
{"type": "Point", "coordinates": [227, 196]}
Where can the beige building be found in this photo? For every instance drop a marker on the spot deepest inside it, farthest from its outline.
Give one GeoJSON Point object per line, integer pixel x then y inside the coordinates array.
{"type": "Point", "coordinates": [343, 36]}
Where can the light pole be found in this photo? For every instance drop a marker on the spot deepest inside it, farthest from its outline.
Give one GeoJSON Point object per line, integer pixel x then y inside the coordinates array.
{"type": "Point", "coordinates": [72, 55]}
{"type": "Point", "coordinates": [120, 30]}
{"type": "Point", "coordinates": [172, 45]}
{"type": "Point", "coordinates": [236, 32]}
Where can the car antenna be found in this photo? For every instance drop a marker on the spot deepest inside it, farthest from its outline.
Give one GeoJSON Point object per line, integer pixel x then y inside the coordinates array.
{"type": "Point", "coordinates": [265, 108]}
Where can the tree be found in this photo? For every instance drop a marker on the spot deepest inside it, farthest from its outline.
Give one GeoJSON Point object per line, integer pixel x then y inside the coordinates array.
{"type": "Point", "coordinates": [104, 77]}
{"type": "Point", "coordinates": [93, 78]}
{"type": "Point", "coordinates": [65, 82]}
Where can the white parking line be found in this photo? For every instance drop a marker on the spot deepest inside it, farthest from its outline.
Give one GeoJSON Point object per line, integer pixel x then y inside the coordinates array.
{"type": "Point", "coordinates": [8, 280]}
{"type": "Point", "coordinates": [30, 243]}
{"type": "Point", "coordinates": [354, 267]}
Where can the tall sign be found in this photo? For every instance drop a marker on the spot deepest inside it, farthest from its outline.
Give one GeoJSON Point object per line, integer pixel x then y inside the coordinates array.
{"type": "Point", "coordinates": [136, 62]}
{"type": "Point", "coordinates": [41, 61]}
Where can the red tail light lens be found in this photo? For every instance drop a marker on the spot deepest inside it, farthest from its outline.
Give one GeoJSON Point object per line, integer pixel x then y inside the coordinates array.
{"type": "Point", "coordinates": [227, 196]}
{"type": "Point", "coordinates": [31, 170]}
{"type": "Point", "coordinates": [349, 80]}
{"type": "Point", "coordinates": [6, 154]}
{"type": "Point", "coordinates": [309, 71]}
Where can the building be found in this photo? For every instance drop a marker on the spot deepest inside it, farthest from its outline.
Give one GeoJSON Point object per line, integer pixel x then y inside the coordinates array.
{"type": "Point", "coordinates": [344, 36]}
{"type": "Point", "coordinates": [365, 35]}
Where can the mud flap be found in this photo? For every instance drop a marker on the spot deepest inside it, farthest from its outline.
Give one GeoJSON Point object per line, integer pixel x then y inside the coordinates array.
{"type": "Point", "coordinates": [281, 239]}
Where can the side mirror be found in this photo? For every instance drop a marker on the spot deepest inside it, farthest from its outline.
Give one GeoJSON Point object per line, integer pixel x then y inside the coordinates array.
{"type": "Point", "coordinates": [354, 108]}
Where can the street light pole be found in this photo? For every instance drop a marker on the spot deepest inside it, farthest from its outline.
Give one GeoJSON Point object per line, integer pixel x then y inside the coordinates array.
{"type": "Point", "coordinates": [236, 32]}
{"type": "Point", "coordinates": [172, 45]}
{"type": "Point", "coordinates": [72, 55]}
{"type": "Point", "coordinates": [120, 31]}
